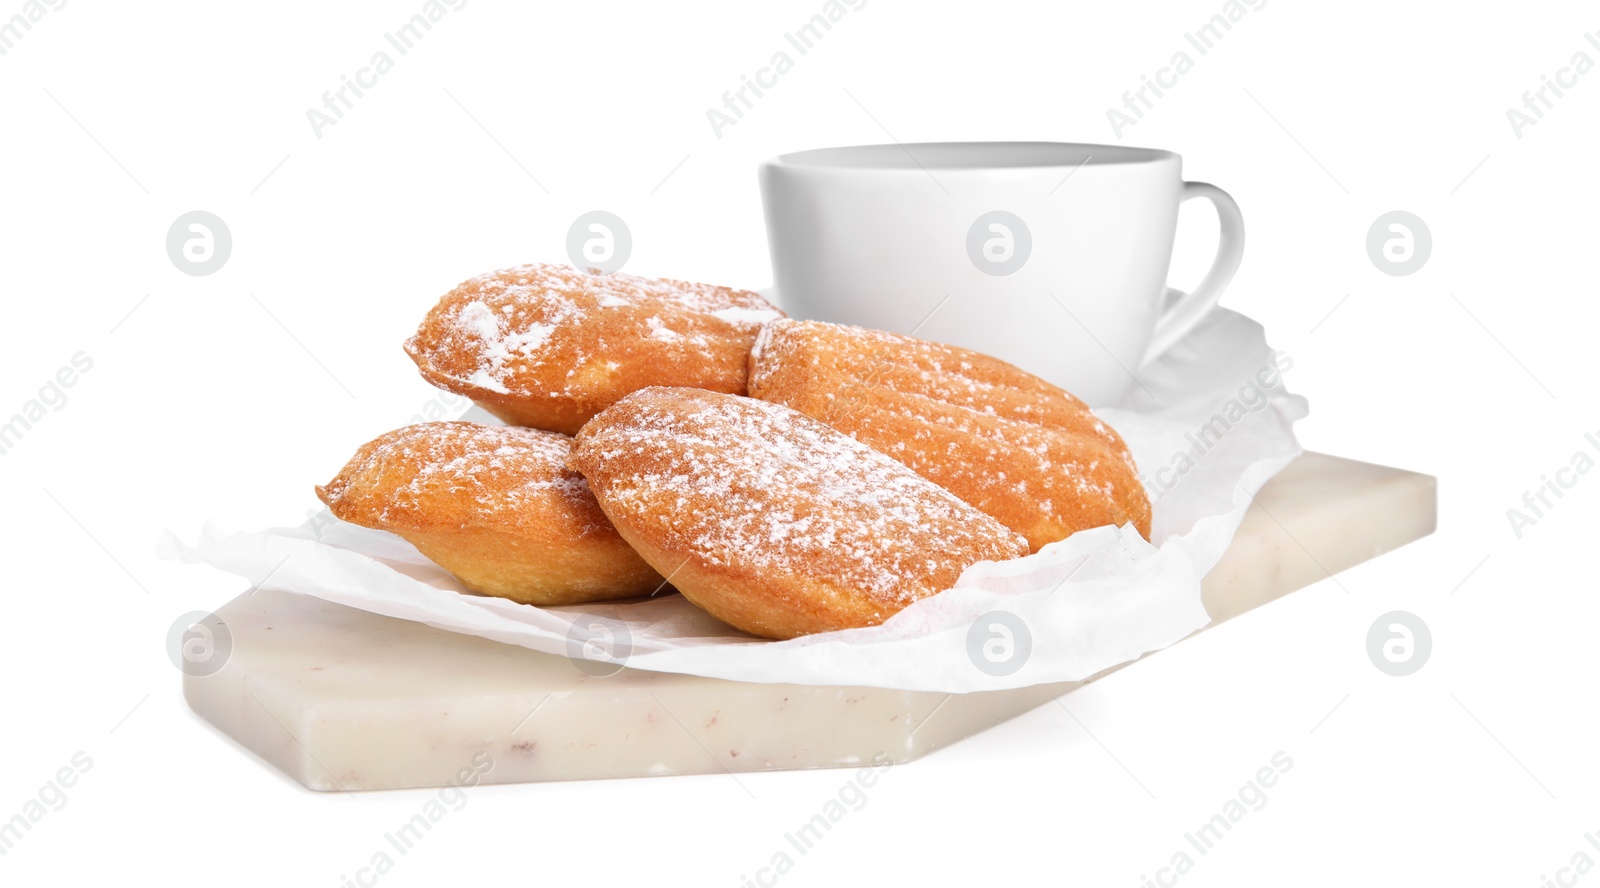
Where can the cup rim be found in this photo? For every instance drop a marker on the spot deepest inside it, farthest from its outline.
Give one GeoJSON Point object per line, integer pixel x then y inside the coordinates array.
{"type": "Point", "coordinates": [890, 157]}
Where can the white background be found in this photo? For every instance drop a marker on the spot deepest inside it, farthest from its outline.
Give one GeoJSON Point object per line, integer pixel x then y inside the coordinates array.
{"type": "Point", "coordinates": [208, 400]}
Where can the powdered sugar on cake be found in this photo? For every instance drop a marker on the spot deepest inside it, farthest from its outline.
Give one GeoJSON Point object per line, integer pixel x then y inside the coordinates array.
{"type": "Point", "coordinates": [497, 328]}
{"type": "Point", "coordinates": [1008, 442]}
{"type": "Point", "coordinates": [760, 489]}
{"type": "Point", "coordinates": [472, 468]}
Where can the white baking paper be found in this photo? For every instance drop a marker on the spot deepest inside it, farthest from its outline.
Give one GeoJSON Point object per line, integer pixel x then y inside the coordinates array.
{"type": "Point", "coordinates": [1208, 424]}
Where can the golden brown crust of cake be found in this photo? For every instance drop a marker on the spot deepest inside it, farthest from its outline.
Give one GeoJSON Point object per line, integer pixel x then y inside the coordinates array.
{"type": "Point", "coordinates": [549, 346]}
{"type": "Point", "coordinates": [495, 506]}
{"type": "Point", "coordinates": [1011, 444]}
{"type": "Point", "coordinates": [771, 521]}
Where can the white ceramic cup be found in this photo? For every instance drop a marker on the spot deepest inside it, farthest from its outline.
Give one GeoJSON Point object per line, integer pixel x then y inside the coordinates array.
{"type": "Point", "coordinates": [1049, 255]}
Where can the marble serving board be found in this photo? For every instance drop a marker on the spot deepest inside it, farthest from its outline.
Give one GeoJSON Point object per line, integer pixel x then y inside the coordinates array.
{"type": "Point", "coordinates": [342, 699]}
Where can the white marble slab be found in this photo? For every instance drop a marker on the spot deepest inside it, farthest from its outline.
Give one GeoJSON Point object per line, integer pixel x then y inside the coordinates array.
{"type": "Point", "coordinates": [341, 699]}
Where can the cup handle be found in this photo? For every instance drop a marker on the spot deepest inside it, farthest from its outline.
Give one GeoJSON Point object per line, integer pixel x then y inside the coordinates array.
{"type": "Point", "coordinates": [1181, 316]}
